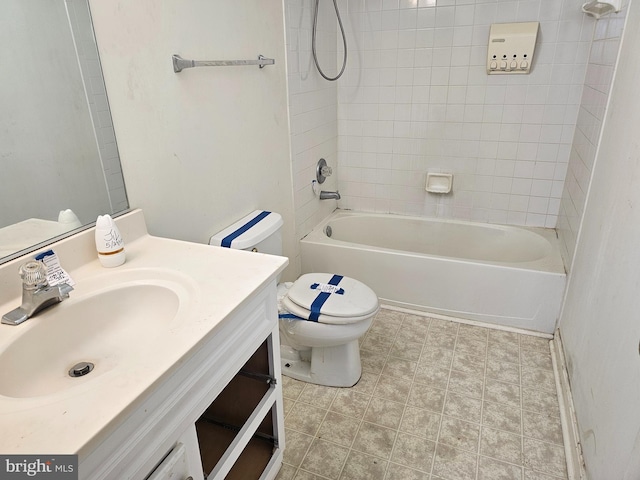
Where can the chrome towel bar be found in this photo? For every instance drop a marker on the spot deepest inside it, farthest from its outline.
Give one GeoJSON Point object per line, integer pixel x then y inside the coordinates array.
{"type": "Point", "coordinates": [180, 63]}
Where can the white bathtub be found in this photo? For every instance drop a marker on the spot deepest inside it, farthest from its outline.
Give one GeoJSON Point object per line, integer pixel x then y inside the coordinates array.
{"type": "Point", "coordinates": [504, 275]}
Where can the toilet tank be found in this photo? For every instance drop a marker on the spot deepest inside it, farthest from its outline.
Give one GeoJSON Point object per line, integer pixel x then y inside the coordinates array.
{"type": "Point", "coordinates": [260, 231]}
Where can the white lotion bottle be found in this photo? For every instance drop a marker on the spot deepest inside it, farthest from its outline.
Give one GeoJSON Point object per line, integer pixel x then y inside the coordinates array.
{"type": "Point", "coordinates": [69, 218]}
{"type": "Point", "coordinates": [109, 242]}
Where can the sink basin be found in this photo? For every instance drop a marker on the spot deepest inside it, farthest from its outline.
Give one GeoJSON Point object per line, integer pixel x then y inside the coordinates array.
{"type": "Point", "coordinates": [110, 327]}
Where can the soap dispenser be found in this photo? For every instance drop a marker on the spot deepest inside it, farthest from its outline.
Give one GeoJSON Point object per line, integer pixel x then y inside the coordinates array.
{"type": "Point", "coordinates": [109, 242]}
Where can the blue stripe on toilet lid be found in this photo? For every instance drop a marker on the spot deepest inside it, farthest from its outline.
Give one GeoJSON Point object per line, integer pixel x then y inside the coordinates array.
{"type": "Point", "coordinates": [324, 295]}
{"type": "Point", "coordinates": [298, 311]}
{"type": "Point", "coordinates": [345, 297]}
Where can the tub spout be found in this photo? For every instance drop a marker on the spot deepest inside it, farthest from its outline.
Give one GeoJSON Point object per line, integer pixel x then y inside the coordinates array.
{"type": "Point", "coordinates": [324, 195]}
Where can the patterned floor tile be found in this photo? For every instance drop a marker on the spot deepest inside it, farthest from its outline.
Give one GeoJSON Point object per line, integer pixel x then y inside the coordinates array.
{"type": "Point", "coordinates": [437, 400]}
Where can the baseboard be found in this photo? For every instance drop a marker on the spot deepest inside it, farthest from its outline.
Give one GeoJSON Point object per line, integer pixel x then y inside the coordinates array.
{"type": "Point", "coordinates": [572, 447]}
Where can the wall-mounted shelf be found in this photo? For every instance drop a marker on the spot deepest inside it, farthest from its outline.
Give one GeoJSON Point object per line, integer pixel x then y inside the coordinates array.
{"type": "Point", "coordinates": [599, 9]}
{"type": "Point", "coordinates": [439, 182]}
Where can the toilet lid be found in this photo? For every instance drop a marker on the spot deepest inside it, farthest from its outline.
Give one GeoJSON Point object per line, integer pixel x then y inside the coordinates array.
{"type": "Point", "coordinates": [298, 311]}
{"type": "Point", "coordinates": [333, 296]}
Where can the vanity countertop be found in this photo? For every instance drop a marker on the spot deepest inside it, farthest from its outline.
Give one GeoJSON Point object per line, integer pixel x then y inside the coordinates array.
{"type": "Point", "coordinates": [32, 231]}
{"type": "Point", "coordinates": [214, 282]}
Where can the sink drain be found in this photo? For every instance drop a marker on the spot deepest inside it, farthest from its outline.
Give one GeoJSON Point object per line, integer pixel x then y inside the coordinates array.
{"type": "Point", "coordinates": [81, 369]}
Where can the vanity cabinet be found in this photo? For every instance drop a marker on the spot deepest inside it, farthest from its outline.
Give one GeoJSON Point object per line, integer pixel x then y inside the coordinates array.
{"type": "Point", "coordinates": [182, 462]}
{"type": "Point", "coordinates": [187, 372]}
{"type": "Point", "coordinates": [218, 415]}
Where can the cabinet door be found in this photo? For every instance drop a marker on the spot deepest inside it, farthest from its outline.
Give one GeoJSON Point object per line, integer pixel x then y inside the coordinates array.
{"type": "Point", "coordinates": [183, 462]}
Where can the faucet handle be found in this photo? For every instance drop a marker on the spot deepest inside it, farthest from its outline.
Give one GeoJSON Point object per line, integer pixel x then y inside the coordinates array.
{"type": "Point", "coordinates": [322, 170]}
{"type": "Point", "coordinates": [34, 275]}
{"type": "Point", "coordinates": [326, 171]}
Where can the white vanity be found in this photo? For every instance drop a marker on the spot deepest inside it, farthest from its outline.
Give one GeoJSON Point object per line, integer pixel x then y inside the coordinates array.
{"type": "Point", "coordinates": [184, 339]}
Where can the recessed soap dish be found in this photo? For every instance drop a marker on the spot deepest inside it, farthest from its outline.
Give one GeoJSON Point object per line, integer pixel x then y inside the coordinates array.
{"type": "Point", "coordinates": [439, 182]}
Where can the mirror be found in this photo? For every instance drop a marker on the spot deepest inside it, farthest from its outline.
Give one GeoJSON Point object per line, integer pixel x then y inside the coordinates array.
{"type": "Point", "coordinates": [60, 162]}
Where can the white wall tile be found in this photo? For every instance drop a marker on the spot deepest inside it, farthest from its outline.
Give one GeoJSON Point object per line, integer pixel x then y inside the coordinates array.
{"type": "Point", "coordinates": [577, 165]}
{"type": "Point", "coordinates": [416, 88]}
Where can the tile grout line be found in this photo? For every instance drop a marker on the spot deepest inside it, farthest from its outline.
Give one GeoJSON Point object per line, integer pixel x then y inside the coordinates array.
{"type": "Point", "coordinates": [406, 401]}
{"type": "Point", "coordinates": [437, 443]}
{"type": "Point", "coordinates": [360, 422]}
{"type": "Point", "coordinates": [349, 448]}
{"type": "Point", "coordinates": [370, 395]}
{"type": "Point", "coordinates": [311, 443]}
{"type": "Point", "coordinates": [522, 458]}
{"type": "Point", "coordinates": [484, 390]}
{"type": "Point", "coordinates": [315, 435]}
{"type": "Point", "coordinates": [534, 367]}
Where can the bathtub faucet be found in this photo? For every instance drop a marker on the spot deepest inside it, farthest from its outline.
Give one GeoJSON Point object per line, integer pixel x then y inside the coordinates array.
{"type": "Point", "coordinates": [324, 195]}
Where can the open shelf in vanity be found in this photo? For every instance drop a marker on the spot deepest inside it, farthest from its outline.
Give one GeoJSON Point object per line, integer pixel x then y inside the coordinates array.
{"type": "Point", "coordinates": [238, 434]}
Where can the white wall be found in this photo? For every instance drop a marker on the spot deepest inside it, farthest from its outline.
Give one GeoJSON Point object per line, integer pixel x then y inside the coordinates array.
{"type": "Point", "coordinates": [599, 323]}
{"type": "Point", "coordinates": [602, 60]}
{"type": "Point", "coordinates": [201, 148]}
{"type": "Point", "coordinates": [417, 97]}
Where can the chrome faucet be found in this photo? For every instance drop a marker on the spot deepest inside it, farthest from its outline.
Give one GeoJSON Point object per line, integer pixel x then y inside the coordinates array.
{"type": "Point", "coordinates": [324, 195]}
{"type": "Point", "coordinates": [37, 294]}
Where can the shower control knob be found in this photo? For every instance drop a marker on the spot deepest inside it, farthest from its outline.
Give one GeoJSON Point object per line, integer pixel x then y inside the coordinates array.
{"type": "Point", "coordinates": [322, 170]}
{"type": "Point", "coordinates": [493, 65]}
{"type": "Point", "coordinates": [503, 65]}
{"type": "Point", "coordinates": [524, 65]}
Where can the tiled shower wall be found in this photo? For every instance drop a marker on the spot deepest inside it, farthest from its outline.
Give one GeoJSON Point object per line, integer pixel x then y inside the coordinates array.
{"type": "Point", "coordinates": [417, 98]}
{"type": "Point", "coordinates": [313, 107]}
{"type": "Point", "coordinates": [602, 60]}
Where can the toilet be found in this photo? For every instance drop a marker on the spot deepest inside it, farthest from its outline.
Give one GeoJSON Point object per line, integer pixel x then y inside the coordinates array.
{"type": "Point", "coordinates": [322, 315]}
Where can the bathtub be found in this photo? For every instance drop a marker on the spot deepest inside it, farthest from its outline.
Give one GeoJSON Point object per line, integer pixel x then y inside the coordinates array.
{"type": "Point", "coordinates": [503, 275]}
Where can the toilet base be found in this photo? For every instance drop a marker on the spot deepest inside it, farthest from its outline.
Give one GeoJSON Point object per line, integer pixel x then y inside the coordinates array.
{"type": "Point", "coordinates": [337, 366]}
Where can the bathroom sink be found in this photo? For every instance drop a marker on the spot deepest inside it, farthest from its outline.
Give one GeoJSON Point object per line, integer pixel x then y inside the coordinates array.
{"type": "Point", "coordinates": [110, 327]}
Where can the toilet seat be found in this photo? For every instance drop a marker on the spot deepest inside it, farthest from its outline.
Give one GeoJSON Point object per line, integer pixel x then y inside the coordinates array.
{"type": "Point", "coordinates": [331, 299]}
{"type": "Point", "coordinates": [298, 311]}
